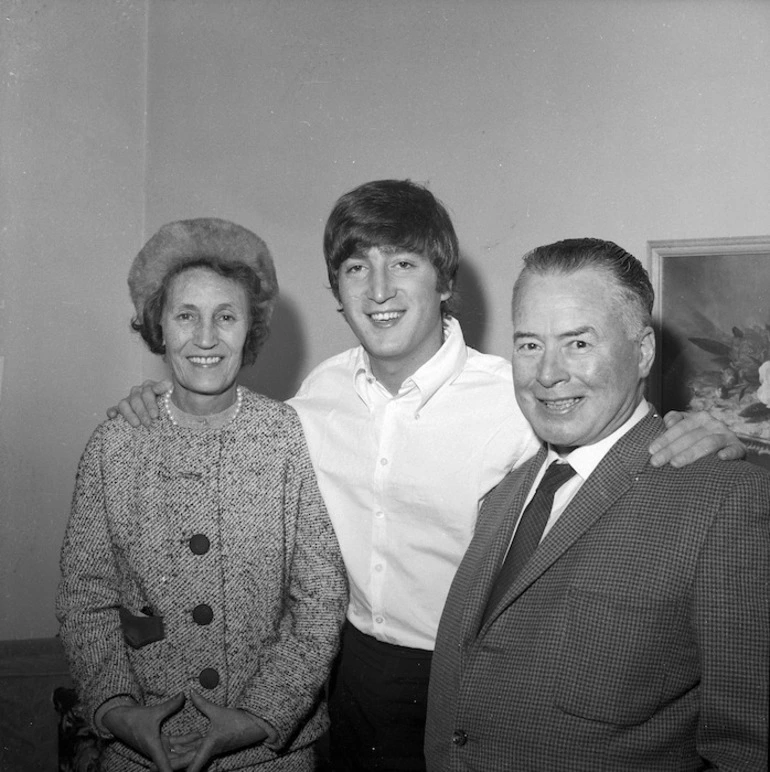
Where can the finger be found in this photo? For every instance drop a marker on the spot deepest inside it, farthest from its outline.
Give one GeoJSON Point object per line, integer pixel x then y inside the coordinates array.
{"type": "Point", "coordinates": [681, 456]}
{"type": "Point", "coordinates": [180, 740]}
{"type": "Point", "coordinates": [673, 444]}
{"type": "Point", "coordinates": [182, 760]}
{"type": "Point", "coordinates": [733, 452]}
{"type": "Point", "coordinates": [171, 705]}
{"type": "Point", "coordinates": [159, 387]}
{"type": "Point", "coordinates": [673, 433]}
{"type": "Point", "coordinates": [125, 409]}
{"type": "Point", "coordinates": [202, 704]}
{"type": "Point", "coordinates": [187, 747]}
{"type": "Point", "coordinates": [112, 412]}
{"type": "Point", "coordinates": [141, 407]}
{"type": "Point", "coordinates": [148, 393]}
{"type": "Point", "coordinates": [202, 756]}
{"type": "Point", "coordinates": [158, 756]}
{"type": "Point", "coordinates": [672, 418]}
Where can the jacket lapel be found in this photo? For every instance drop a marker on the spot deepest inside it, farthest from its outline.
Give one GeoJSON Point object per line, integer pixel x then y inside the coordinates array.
{"type": "Point", "coordinates": [495, 526]}
{"type": "Point", "coordinates": [616, 473]}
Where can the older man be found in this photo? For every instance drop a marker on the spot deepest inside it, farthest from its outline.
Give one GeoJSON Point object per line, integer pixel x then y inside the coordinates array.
{"type": "Point", "coordinates": [608, 614]}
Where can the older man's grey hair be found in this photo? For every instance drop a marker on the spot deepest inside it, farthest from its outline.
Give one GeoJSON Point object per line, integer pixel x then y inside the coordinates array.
{"type": "Point", "coordinates": [633, 289]}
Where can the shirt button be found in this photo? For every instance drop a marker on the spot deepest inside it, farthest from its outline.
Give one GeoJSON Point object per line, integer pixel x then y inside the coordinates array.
{"type": "Point", "coordinates": [378, 567]}
{"type": "Point", "coordinates": [203, 614]}
{"type": "Point", "coordinates": [379, 514]}
{"type": "Point", "coordinates": [199, 544]}
{"type": "Point", "coordinates": [209, 678]}
{"type": "Point", "coordinates": [459, 737]}
{"type": "Point", "coordinates": [384, 461]}
{"type": "Point", "coordinates": [379, 620]}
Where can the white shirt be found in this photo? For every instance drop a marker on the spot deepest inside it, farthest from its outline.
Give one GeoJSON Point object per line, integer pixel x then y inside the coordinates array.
{"type": "Point", "coordinates": [403, 476]}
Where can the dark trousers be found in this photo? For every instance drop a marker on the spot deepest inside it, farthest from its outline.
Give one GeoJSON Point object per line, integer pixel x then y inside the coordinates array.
{"type": "Point", "coordinates": [377, 703]}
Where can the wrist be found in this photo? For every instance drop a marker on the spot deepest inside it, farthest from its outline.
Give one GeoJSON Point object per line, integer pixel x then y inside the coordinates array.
{"type": "Point", "coordinates": [101, 721]}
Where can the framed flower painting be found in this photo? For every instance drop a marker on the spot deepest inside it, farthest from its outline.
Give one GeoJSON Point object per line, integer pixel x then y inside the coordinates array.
{"type": "Point", "coordinates": [712, 310]}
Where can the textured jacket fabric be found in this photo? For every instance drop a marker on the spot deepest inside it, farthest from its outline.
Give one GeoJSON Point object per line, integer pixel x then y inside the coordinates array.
{"type": "Point", "coordinates": [272, 576]}
{"type": "Point", "coordinates": [636, 638]}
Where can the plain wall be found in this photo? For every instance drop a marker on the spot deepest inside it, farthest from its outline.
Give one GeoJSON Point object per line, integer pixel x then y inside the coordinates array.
{"type": "Point", "coordinates": [532, 121]}
{"type": "Point", "coordinates": [72, 193]}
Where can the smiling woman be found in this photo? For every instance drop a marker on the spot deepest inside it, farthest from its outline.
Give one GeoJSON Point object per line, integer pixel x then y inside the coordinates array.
{"type": "Point", "coordinates": [202, 590]}
{"type": "Point", "coordinates": [205, 322]}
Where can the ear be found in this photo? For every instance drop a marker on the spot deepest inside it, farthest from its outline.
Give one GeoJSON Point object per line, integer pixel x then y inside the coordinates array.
{"type": "Point", "coordinates": [646, 351]}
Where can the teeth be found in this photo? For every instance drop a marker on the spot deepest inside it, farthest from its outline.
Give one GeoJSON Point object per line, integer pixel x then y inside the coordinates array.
{"type": "Point", "coordinates": [559, 404]}
{"type": "Point", "coordinates": [385, 316]}
{"type": "Point", "coordinates": [205, 360]}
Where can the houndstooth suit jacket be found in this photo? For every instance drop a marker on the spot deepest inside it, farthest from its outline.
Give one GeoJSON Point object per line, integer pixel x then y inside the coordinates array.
{"type": "Point", "coordinates": [635, 639]}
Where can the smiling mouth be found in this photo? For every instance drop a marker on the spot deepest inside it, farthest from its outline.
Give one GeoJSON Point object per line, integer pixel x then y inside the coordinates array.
{"type": "Point", "coordinates": [559, 405]}
{"type": "Point", "coordinates": [205, 361]}
{"type": "Point", "coordinates": [382, 317]}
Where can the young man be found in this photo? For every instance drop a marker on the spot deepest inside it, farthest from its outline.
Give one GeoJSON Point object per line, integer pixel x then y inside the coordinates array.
{"type": "Point", "coordinates": [616, 618]}
{"type": "Point", "coordinates": [407, 432]}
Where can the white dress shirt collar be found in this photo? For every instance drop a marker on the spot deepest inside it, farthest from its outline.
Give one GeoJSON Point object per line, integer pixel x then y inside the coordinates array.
{"type": "Point", "coordinates": [583, 460]}
{"type": "Point", "coordinates": [586, 458]}
{"type": "Point", "coordinates": [443, 367]}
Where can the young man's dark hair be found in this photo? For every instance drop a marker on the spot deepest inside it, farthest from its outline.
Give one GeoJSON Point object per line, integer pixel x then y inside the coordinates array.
{"type": "Point", "coordinates": [397, 215]}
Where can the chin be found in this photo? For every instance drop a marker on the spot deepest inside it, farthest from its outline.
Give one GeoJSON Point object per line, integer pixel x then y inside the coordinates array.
{"type": "Point", "coordinates": [555, 436]}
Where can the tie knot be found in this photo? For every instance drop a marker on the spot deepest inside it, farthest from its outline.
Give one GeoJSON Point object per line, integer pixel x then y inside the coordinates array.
{"type": "Point", "coordinates": [555, 476]}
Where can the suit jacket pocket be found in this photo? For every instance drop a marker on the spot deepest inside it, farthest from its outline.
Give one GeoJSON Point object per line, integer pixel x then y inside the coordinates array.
{"type": "Point", "coordinates": [139, 630]}
{"type": "Point", "coordinates": [613, 657]}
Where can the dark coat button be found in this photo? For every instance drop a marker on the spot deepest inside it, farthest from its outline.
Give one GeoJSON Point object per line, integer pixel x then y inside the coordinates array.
{"type": "Point", "coordinates": [199, 544]}
{"type": "Point", "coordinates": [203, 614]}
{"type": "Point", "coordinates": [459, 737]}
{"type": "Point", "coordinates": [209, 678]}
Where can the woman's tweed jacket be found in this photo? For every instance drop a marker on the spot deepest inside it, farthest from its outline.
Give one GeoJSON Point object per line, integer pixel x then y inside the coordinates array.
{"type": "Point", "coordinates": [273, 575]}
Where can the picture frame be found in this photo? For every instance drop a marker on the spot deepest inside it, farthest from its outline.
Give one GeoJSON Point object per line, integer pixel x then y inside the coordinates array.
{"type": "Point", "coordinates": [712, 317]}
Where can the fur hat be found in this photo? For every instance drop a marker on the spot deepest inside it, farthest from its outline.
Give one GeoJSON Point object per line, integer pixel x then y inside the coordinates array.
{"type": "Point", "coordinates": [185, 241]}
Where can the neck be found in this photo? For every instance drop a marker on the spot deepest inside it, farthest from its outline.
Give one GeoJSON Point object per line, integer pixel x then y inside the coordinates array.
{"type": "Point", "coordinates": [392, 373]}
{"type": "Point", "coordinates": [203, 404]}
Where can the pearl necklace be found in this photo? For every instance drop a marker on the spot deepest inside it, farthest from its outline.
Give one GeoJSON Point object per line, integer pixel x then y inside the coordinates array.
{"type": "Point", "coordinates": [205, 421]}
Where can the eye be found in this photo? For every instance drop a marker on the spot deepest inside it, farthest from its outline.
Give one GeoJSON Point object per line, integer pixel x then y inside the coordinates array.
{"type": "Point", "coordinates": [184, 316]}
{"type": "Point", "coordinates": [353, 268]}
{"type": "Point", "coordinates": [579, 344]}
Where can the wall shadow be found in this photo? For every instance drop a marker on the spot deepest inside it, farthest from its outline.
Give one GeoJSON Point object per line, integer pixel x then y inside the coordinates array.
{"type": "Point", "coordinates": [277, 371]}
{"type": "Point", "coordinates": [667, 385]}
{"type": "Point", "coordinates": [472, 307]}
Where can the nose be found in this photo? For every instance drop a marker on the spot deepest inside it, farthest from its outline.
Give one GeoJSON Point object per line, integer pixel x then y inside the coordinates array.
{"type": "Point", "coordinates": [551, 369]}
{"type": "Point", "coordinates": [380, 286]}
{"type": "Point", "coordinates": [206, 334]}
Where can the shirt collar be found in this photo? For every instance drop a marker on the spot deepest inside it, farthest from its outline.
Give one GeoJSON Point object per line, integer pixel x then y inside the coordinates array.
{"type": "Point", "coordinates": [443, 367]}
{"type": "Point", "coordinates": [585, 459]}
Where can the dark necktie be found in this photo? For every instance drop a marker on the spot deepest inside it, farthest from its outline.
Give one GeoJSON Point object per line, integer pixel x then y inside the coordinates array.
{"type": "Point", "coordinates": [529, 531]}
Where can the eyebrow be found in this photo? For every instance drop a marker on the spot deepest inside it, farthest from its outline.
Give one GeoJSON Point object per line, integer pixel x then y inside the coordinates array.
{"type": "Point", "coordinates": [357, 255]}
{"type": "Point", "coordinates": [576, 333]}
{"type": "Point", "coordinates": [193, 307]}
